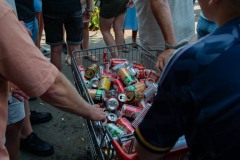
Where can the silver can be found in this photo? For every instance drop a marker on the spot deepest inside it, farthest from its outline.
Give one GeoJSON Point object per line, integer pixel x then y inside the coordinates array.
{"type": "Point", "coordinates": [122, 97]}
{"type": "Point", "coordinates": [150, 92]}
{"type": "Point", "coordinates": [112, 104]}
{"type": "Point", "coordinates": [95, 82]}
{"type": "Point", "coordinates": [112, 118]}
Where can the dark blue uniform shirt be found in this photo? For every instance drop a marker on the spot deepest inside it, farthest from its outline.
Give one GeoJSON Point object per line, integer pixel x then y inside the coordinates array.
{"type": "Point", "coordinates": [199, 97]}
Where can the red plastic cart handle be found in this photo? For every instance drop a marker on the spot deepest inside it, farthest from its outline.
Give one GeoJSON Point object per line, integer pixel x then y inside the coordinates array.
{"type": "Point", "coordinates": [122, 154]}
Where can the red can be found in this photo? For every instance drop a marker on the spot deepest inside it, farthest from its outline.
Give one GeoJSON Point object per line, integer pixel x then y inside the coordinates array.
{"type": "Point", "coordinates": [110, 75]}
{"type": "Point", "coordinates": [125, 125]}
{"type": "Point", "coordinates": [138, 65]}
{"type": "Point", "coordinates": [130, 111]}
{"type": "Point", "coordinates": [118, 86]}
{"type": "Point", "coordinates": [140, 73]}
{"type": "Point", "coordinates": [116, 61]}
{"type": "Point", "coordinates": [153, 75]}
{"type": "Point", "coordinates": [147, 72]}
{"type": "Point", "coordinates": [142, 104]}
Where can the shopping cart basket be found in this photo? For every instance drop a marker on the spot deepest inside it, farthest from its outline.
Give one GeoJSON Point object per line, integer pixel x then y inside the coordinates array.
{"type": "Point", "coordinates": [104, 146]}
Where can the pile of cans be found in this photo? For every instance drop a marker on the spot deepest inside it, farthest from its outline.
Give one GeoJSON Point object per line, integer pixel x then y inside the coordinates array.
{"type": "Point", "coordinates": [124, 89]}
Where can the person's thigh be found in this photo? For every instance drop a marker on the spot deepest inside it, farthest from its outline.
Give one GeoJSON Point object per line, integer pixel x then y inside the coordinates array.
{"type": "Point", "coordinates": [112, 8]}
{"type": "Point", "coordinates": [16, 111]}
{"type": "Point", "coordinates": [73, 24]}
{"type": "Point", "coordinates": [53, 26]}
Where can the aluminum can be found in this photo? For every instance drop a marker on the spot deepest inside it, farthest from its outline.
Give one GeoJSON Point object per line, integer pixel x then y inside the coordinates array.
{"type": "Point", "coordinates": [112, 104]}
{"type": "Point", "coordinates": [104, 83]}
{"type": "Point", "coordinates": [147, 72]}
{"type": "Point", "coordinates": [121, 65]}
{"type": "Point", "coordinates": [87, 83]}
{"type": "Point", "coordinates": [149, 82]}
{"type": "Point", "coordinates": [116, 61]}
{"type": "Point", "coordinates": [110, 75]}
{"type": "Point", "coordinates": [132, 70]}
{"type": "Point", "coordinates": [106, 67]}
{"type": "Point", "coordinates": [97, 94]}
{"type": "Point", "coordinates": [140, 73]}
{"type": "Point", "coordinates": [95, 82]}
{"type": "Point", "coordinates": [130, 111]}
{"type": "Point", "coordinates": [114, 130]}
{"type": "Point", "coordinates": [142, 104]}
{"type": "Point", "coordinates": [153, 75]}
{"type": "Point", "coordinates": [138, 65]}
{"type": "Point", "coordinates": [118, 86]}
{"type": "Point", "coordinates": [150, 92]}
{"type": "Point", "coordinates": [139, 87]}
{"type": "Point", "coordinates": [134, 96]}
{"type": "Point", "coordinates": [92, 71]}
{"type": "Point", "coordinates": [124, 124]}
{"type": "Point", "coordinates": [111, 118]}
{"type": "Point", "coordinates": [126, 77]}
{"type": "Point", "coordinates": [111, 93]}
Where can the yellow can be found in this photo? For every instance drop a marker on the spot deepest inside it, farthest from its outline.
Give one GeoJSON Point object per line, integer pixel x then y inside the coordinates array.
{"type": "Point", "coordinates": [104, 83]}
{"type": "Point", "coordinates": [91, 71]}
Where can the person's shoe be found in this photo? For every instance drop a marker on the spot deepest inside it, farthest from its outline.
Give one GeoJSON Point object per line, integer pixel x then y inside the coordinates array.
{"type": "Point", "coordinates": [40, 117]}
{"type": "Point", "coordinates": [35, 145]}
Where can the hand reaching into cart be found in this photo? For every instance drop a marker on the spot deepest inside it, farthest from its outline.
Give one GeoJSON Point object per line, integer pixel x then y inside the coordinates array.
{"type": "Point", "coordinates": [163, 59]}
{"type": "Point", "coordinates": [96, 113]}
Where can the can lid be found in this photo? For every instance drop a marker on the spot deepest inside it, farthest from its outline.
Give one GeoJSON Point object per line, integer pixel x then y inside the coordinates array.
{"type": "Point", "coordinates": [112, 117]}
{"type": "Point", "coordinates": [130, 95]}
{"type": "Point", "coordinates": [112, 104]}
{"type": "Point", "coordinates": [122, 97]}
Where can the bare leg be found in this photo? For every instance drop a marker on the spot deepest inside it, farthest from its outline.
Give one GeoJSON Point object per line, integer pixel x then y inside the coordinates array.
{"type": "Point", "coordinates": [117, 27]}
{"type": "Point", "coordinates": [72, 48]}
{"type": "Point", "coordinates": [40, 28]}
{"type": "Point", "coordinates": [134, 36]}
{"type": "Point", "coordinates": [56, 58]}
{"type": "Point", "coordinates": [27, 127]}
{"type": "Point", "coordinates": [105, 26]}
{"type": "Point", "coordinates": [13, 139]}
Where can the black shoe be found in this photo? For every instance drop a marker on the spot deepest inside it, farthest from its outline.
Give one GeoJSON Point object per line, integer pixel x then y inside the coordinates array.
{"type": "Point", "coordinates": [35, 145]}
{"type": "Point", "coordinates": [40, 117]}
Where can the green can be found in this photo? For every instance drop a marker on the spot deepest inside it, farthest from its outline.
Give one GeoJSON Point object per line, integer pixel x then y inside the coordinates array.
{"type": "Point", "coordinates": [114, 130]}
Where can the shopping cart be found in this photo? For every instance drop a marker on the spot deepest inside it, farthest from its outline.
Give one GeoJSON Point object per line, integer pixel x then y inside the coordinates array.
{"type": "Point", "coordinates": [104, 146]}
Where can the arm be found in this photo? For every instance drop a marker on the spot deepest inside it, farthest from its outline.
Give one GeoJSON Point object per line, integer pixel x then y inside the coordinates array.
{"type": "Point", "coordinates": [163, 16]}
{"type": "Point", "coordinates": [64, 96]}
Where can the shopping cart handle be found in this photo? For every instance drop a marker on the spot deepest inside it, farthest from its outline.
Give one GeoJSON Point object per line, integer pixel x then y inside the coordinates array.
{"type": "Point", "coordinates": [122, 154]}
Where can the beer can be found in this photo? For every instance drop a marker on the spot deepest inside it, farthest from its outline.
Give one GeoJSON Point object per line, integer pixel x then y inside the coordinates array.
{"type": "Point", "coordinates": [139, 87]}
{"type": "Point", "coordinates": [150, 92]}
{"type": "Point", "coordinates": [147, 72]}
{"type": "Point", "coordinates": [87, 83]}
{"type": "Point", "coordinates": [130, 111]}
{"type": "Point", "coordinates": [124, 124]}
{"type": "Point", "coordinates": [138, 65]}
{"type": "Point", "coordinates": [106, 67]}
{"type": "Point", "coordinates": [149, 82]}
{"type": "Point", "coordinates": [118, 86]}
{"type": "Point", "coordinates": [114, 130]}
{"type": "Point", "coordinates": [104, 83]}
{"type": "Point", "coordinates": [111, 118]}
{"type": "Point", "coordinates": [121, 65]}
{"type": "Point", "coordinates": [97, 94]}
{"type": "Point", "coordinates": [91, 71]}
{"type": "Point", "coordinates": [116, 61]}
{"type": "Point", "coordinates": [122, 98]}
{"type": "Point", "coordinates": [111, 93]}
{"type": "Point", "coordinates": [134, 96]}
{"type": "Point", "coordinates": [126, 77]}
{"type": "Point", "coordinates": [153, 75]}
{"type": "Point", "coordinates": [142, 104]}
{"type": "Point", "coordinates": [140, 73]}
{"type": "Point", "coordinates": [110, 75]}
{"type": "Point", "coordinates": [95, 82]}
{"type": "Point", "coordinates": [132, 71]}
{"type": "Point", "coordinates": [112, 104]}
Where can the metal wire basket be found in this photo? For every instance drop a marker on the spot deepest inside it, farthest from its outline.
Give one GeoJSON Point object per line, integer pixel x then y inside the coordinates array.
{"type": "Point", "coordinates": [105, 147]}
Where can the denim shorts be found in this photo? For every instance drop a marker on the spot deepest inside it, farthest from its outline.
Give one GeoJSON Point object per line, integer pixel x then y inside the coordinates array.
{"type": "Point", "coordinates": [33, 27]}
{"type": "Point", "coordinates": [53, 25]}
{"type": "Point", "coordinates": [204, 27]}
{"type": "Point", "coordinates": [16, 111]}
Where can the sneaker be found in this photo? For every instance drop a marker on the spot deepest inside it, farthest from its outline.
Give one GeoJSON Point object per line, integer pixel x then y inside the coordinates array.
{"type": "Point", "coordinates": [40, 117]}
{"type": "Point", "coordinates": [35, 145]}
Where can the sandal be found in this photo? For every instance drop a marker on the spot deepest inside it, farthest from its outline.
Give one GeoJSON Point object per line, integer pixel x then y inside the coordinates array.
{"type": "Point", "coordinates": [92, 58]}
{"type": "Point", "coordinates": [68, 60]}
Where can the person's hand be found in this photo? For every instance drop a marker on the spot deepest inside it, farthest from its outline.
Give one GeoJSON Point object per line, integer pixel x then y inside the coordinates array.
{"type": "Point", "coordinates": [29, 32]}
{"type": "Point", "coordinates": [96, 113]}
{"type": "Point", "coordinates": [86, 16]}
{"type": "Point", "coordinates": [163, 59]}
{"type": "Point", "coordinates": [130, 4]}
{"type": "Point", "coordinates": [18, 94]}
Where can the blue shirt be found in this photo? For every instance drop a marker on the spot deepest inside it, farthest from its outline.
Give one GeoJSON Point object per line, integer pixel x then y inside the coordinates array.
{"type": "Point", "coordinates": [199, 97]}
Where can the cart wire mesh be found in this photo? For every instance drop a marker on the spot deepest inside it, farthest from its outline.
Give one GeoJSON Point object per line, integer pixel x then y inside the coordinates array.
{"type": "Point", "coordinates": [99, 136]}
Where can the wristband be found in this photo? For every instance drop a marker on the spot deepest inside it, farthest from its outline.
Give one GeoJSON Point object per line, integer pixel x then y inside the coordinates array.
{"type": "Point", "coordinates": [88, 10]}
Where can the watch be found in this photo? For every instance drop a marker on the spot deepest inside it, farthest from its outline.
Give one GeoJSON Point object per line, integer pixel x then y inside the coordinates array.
{"type": "Point", "coordinates": [175, 46]}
